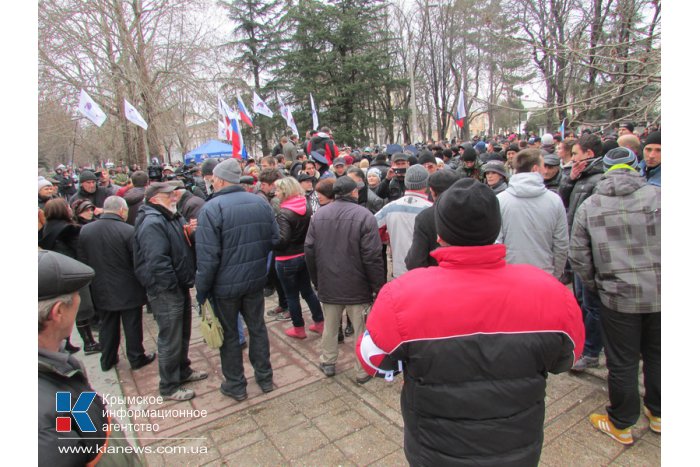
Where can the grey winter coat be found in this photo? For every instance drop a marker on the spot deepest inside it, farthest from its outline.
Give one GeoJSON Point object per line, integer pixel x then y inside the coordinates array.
{"type": "Point", "coordinates": [616, 243]}
{"type": "Point", "coordinates": [533, 226]}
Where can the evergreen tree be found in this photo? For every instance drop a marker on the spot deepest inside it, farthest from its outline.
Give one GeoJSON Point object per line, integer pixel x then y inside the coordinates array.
{"type": "Point", "coordinates": [257, 44]}
{"type": "Point", "coordinates": [338, 54]}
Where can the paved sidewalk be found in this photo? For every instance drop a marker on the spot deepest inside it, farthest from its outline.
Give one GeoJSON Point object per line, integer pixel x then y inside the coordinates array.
{"type": "Point", "coordinates": [313, 420]}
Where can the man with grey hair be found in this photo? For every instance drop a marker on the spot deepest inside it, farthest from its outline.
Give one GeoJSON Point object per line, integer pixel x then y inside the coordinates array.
{"type": "Point", "coordinates": [235, 234]}
{"type": "Point", "coordinates": [62, 441]}
{"type": "Point", "coordinates": [106, 245]}
{"type": "Point", "coordinates": [164, 265]}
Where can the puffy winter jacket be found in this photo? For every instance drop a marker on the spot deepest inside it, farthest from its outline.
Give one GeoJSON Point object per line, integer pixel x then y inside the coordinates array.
{"type": "Point", "coordinates": [163, 258]}
{"type": "Point", "coordinates": [475, 365]}
{"type": "Point", "coordinates": [235, 234]}
{"type": "Point", "coordinates": [344, 253]}
{"type": "Point", "coordinates": [616, 243]}
{"type": "Point", "coordinates": [575, 192]}
{"type": "Point", "coordinates": [533, 226]}
{"type": "Point", "coordinates": [653, 175]}
{"type": "Point", "coordinates": [293, 221]}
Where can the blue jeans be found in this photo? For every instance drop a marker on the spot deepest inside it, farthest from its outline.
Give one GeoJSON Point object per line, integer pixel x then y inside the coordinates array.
{"type": "Point", "coordinates": [251, 307]}
{"type": "Point", "coordinates": [172, 310]}
{"type": "Point", "coordinates": [295, 280]}
{"type": "Point", "coordinates": [590, 305]}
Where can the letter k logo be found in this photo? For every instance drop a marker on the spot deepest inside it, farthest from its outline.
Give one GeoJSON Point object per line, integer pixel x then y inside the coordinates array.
{"type": "Point", "coordinates": [78, 411]}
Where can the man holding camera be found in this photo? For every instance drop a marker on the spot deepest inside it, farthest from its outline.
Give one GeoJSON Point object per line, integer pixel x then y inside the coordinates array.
{"type": "Point", "coordinates": [393, 187]}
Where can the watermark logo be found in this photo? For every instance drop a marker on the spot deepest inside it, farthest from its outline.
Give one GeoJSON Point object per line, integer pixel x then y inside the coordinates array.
{"type": "Point", "coordinates": [78, 411]}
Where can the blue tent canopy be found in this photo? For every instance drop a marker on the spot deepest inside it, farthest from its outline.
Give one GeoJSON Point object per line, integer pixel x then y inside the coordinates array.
{"type": "Point", "coordinates": [211, 148]}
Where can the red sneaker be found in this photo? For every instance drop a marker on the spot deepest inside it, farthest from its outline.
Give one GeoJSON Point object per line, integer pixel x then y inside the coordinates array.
{"type": "Point", "coordinates": [317, 327]}
{"type": "Point", "coordinates": [297, 332]}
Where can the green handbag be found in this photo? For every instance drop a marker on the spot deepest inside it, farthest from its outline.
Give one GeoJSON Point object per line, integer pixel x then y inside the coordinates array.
{"type": "Point", "coordinates": [211, 329]}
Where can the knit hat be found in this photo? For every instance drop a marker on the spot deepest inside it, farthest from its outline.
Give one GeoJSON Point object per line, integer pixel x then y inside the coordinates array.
{"type": "Point", "coordinates": [442, 180]}
{"type": "Point", "coordinates": [513, 147]}
{"type": "Point", "coordinates": [376, 172]}
{"type": "Point", "coordinates": [547, 139]}
{"type": "Point", "coordinates": [43, 182]}
{"type": "Point", "coordinates": [208, 166]}
{"type": "Point", "coordinates": [344, 186]}
{"type": "Point", "coordinates": [158, 187]}
{"type": "Point", "coordinates": [653, 138]}
{"type": "Point", "coordinates": [416, 178]}
{"type": "Point", "coordinates": [620, 155]}
{"type": "Point", "coordinates": [87, 175]}
{"type": "Point", "coordinates": [339, 161]}
{"type": "Point", "coordinates": [495, 166]}
{"type": "Point", "coordinates": [469, 155]}
{"type": "Point", "coordinates": [468, 214]}
{"type": "Point", "coordinates": [480, 147]}
{"type": "Point", "coordinates": [552, 159]}
{"type": "Point", "coordinates": [427, 158]}
{"type": "Point", "coordinates": [229, 171]}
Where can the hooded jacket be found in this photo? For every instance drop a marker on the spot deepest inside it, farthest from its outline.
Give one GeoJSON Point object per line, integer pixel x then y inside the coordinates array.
{"type": "Point", "coordinates": [533, 224]}
{"type": "Point", "coordinates": [344, 253]}
{"type": "Point", "coordinates": [236, 231]}
{"type": "Point", "coordinates": [475, 364]}
{"type": "Point", "coordinates": [134, 199]}
{"type": "Point", "coordinates": [616, 243]}
{"type": "Point", "coordinates": [163, 258]}
{"type": "Point", "coordinates": [575, 192]}
{"type": "Point", "coordinates": [293, 221]}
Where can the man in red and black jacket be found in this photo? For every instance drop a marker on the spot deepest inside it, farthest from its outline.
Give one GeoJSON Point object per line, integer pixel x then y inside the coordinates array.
{"type": "Point", "coordinates": [322, 142]}
{"type": "Point", "coordinates": [475, 365]}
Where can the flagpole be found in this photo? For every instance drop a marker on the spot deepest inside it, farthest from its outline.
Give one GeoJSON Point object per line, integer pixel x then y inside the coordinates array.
{"type": "Point", "coordinates": [72, 154]}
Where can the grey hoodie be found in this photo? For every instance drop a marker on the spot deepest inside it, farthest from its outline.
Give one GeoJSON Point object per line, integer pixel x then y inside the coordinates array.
{"type": "Point", "coordinates": [534, 227]}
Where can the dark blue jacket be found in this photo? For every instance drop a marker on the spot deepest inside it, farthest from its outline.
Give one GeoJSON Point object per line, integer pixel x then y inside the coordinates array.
{"type": "Point", "coordinates": [235, 234]}
{"type": "Point", "coordinates": [163, 259]}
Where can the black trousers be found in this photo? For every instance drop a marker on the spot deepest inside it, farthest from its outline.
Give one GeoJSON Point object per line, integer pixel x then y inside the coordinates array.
{"type": "Point", "coordinates": [625, 337]}
{"type": "Point", "coordinates": [110, 336]}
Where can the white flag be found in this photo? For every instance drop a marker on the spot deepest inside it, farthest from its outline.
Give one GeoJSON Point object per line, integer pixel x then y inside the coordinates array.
{"type": "Point", "coordinates": [134, 116]}
{"type": "Point", "coordinates": [90, 109]}
{"type": "Point", "coordinates": [225, 110]}
{"type": "Point", "coordinates": [260, 107]}
{"type": "Point", "coordinates": [287, 114]}
{"type": "Point", "coordinates": [314, 115]}
{"type": "Point", "coordinates": [222, 130]}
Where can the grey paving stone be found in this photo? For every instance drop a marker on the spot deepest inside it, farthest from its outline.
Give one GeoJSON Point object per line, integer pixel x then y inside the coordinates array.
{"type": "Point", "coordinates": [365, 446]}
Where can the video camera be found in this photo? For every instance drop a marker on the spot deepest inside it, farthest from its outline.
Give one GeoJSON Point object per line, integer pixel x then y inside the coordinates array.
{"type": "Point", "coordinates": [155, 171]}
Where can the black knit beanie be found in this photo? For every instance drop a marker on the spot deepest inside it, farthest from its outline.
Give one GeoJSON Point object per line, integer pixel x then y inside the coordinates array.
{"type": "Point", "coordinates": [653, 138]}
{"type": "Point", "coordinates": [468, 214]}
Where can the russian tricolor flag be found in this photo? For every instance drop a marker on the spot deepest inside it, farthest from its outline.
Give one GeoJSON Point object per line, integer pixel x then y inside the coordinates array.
{"type": "Point", "coordinates": [245, 116]}
{"type": "Point", "coordinates": [239, 151]}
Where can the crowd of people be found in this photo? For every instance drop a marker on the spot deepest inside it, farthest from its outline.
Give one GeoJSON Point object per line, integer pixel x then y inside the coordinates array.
{"type": "Point", "coordinates": [452, 262]}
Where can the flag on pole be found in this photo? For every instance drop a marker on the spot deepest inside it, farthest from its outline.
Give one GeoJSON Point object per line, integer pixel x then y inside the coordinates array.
{"type": "Point", "coordinates": [562, 128]}
{"type": "Point", "coordinates": [225, 110]}
{"type": "Point", "coordinates": [238, 151]}
{"type": "Point", "coordinates": [314, 115]}
{"type": "Point", "coordinates": [461, 111]}
{"type": "Point", "coordinates": [260, 107]}
{"type": "Point", "coordinates": [287, 114]}
{"type": "Point", "coordinates": [90, 109]}
{"type": "Point", "coordinates": [222, 130]}
{"type": "Point", "coordinates": [245, 115]}
{"type": "Point", "coordinates": [134, 116]}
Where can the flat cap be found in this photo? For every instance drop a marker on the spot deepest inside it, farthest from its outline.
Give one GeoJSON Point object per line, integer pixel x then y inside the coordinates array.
{"type": "Point", "coordinates": [60, 274]}
{"type": "Point", "coordinates": [158, 187]}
